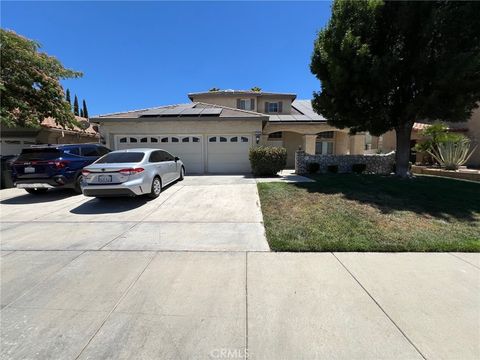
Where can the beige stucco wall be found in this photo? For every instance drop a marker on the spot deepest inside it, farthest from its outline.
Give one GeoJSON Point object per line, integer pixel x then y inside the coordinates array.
{"type": "Point", "coordinates": [342, 143]}
{"type": "Point", "coordinates": [357, 144]}
{"type": "Point", "coordinates": [389, 142]}
{"type": "Point", "coordinates": [204, 127]}
{"type": "Point", "coordinates": [292, 141]}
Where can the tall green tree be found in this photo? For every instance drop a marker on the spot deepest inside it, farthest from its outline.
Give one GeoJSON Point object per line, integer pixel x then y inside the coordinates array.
{"type": "Point", "coordinates": [85, 110]}
{"type": "Point", "coordinates": [385, 65]}
{"type": "Point", "coordinates": [67, 97]}
{"type": "Point", "coordinates": [75, 106]}
{"type": "Point", "coordinates": [81, 113]}
{"type": "Point", "coordinates": [30, 86]}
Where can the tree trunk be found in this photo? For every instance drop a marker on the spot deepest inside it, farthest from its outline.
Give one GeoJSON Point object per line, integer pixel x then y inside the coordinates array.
{"type": "Point", "coordinates": [402, 155]}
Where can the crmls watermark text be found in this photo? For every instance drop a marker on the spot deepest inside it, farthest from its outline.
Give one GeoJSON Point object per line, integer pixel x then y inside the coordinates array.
{"type": "Point", "coordinates": [226, 353]}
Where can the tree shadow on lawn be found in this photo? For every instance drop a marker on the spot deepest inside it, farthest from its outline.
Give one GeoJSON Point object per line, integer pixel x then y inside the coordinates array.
{"type": "Point", "coordinates": [441, 198]}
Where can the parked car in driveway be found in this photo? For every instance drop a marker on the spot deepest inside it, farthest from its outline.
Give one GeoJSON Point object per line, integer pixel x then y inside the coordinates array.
{"type": "Point", "coordinates": [132, 172]}
{"type": "Point", "coordinates": [40, 168]}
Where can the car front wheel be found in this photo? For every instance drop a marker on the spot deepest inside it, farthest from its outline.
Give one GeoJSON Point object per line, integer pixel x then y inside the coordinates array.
{"type": "Point", "coordinates": [182, 174]}
{"type": "Point", "coordinates": [156, 188]}
{"type": "Point", "coordinates": [36, 191]}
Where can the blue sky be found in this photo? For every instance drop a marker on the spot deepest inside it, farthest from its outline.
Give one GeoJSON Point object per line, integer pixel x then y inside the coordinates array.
{"type": "Point", "coordinates": [141, 54]}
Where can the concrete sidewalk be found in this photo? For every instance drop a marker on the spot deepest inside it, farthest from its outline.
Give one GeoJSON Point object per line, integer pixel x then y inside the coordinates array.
{"type": "Point", "coordinates": [183, 305]}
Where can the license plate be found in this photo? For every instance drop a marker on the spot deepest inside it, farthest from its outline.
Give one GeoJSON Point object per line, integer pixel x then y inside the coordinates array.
{"type": "Point", "coordinates": [29, 170]}
{"type": "Point", "coordinates": [105, 178]}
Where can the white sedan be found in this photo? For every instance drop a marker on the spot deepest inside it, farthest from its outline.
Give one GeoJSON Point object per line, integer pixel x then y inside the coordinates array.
{"type": "Point", "coordinates": [131, 172]}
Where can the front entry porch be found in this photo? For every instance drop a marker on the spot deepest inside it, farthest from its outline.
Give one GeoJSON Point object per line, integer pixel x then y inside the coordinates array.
{"type": "Point", "coordinates": [313, 139]}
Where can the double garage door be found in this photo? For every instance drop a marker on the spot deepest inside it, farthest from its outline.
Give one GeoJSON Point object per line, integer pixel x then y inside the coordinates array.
{"type": "Point", "coordinates": [200, 153]}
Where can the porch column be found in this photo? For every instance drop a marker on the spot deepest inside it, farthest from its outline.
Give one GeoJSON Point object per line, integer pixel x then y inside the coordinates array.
{"type": "Point", "coordinates": [309, 144]}
{"type": "Point", "coordinates": [263, 139]}
{"type": "Point", "coordinates": [357, 144]}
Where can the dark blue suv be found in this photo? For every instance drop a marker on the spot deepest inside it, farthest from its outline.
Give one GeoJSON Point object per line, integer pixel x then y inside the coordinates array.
{"type": "Point", "coordinates": [40, 168]}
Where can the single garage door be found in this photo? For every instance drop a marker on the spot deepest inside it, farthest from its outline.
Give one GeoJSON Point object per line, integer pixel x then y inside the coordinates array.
{"type": "Point", "coordinates": [228, 153]}
{"type": "Point", "coordinates": [189, 148]}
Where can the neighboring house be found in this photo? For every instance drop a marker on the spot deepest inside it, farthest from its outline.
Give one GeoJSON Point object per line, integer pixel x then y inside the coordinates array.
{"type": "Point", "coordinates": [214, 132]}
{"type": "Point", "coordinates": [13, 140]}
{"type": "Point", "coordinates": [471, 128]}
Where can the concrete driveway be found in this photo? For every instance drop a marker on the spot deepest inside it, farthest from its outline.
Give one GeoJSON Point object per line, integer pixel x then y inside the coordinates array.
{"type": "Point", "coordinates": [83, 279]}
{"type": "Point", "coordinates": [201, 213]}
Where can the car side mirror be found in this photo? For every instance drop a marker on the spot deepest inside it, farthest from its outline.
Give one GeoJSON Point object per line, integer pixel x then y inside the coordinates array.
{"type": "Point", "coordinates": [176, 158]}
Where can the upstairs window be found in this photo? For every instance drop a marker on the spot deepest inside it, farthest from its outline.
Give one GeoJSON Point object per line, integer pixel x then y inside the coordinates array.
{"type": "Point", "coordinates": [246, 104]}
{"type": "Point", "coordinates": [274, 107]}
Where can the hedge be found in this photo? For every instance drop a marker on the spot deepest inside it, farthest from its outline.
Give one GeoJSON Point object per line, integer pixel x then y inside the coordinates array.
{"type": "Point", "coordinates": [267, 160]}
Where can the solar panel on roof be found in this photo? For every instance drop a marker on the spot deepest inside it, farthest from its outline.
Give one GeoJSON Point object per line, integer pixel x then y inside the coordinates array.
{"type": "Point", "coordinates": [153, 112]}
{"type": "Point", "coordinates": [212, 111]}
{"type": "Point", "coordinates": [192, 111]}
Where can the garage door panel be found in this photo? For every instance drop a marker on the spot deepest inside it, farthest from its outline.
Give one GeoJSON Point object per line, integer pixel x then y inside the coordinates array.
{"type": "Point", "coordinates": [228, 153]}
{"type": "Point", "coordinates": [190, 150]}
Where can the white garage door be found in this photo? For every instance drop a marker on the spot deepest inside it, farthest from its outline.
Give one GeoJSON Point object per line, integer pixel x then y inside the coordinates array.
{"type": "Point", "coordinates": [189, 148]}
{"type": "Point", "coordinates": [228, 153]}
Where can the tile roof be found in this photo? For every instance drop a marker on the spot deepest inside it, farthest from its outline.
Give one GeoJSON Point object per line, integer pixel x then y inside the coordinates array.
{"type": "Point", "coordinates": [52, 124]}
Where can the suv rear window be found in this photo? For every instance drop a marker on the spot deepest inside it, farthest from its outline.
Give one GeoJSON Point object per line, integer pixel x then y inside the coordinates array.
{"type": "Point", "coordinates": [123, 157]}
{"type": "Point", "coordinates": [39, 154]}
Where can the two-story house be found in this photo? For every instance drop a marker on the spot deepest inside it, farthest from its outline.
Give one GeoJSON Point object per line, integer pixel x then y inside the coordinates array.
{"type": "Point", "coordinates": [214, 132]}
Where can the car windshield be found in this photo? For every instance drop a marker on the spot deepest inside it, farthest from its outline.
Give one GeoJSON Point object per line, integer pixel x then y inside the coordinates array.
{"type": "Point", "coordinates": [121, 157]}
{"type": "Point", "coordinates": [39, 154]}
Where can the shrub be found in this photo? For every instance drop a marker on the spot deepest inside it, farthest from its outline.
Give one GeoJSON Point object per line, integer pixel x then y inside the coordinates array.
{"type": "Point", "coordinates": [313, 167]}
{"type": "Point", "coordinates": [267, 160]}
{"type": "Point", "coordinates": [332, 169]}
{"type": "Point", "coordinates": [452, 153]}
{"type": "Point", "coordinates": [359, 168]}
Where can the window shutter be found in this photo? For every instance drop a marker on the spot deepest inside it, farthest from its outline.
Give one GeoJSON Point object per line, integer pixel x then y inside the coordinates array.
{"type": "Point", "coordinates": [266, 107]}
{"type": "Point", "coordinates": [280, 103]}
{"type": "Point", "coordinates": [252, 104]}
{"type": "Point", "coordinates": [238, 103]}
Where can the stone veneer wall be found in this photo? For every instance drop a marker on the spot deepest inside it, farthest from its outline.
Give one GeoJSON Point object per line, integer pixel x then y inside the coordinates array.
{"type": "Point", "coordinates": [376, 163]}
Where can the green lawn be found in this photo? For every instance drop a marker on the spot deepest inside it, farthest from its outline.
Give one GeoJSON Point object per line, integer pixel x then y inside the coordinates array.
{"type": "Point", "coordinates": [343, 212]}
